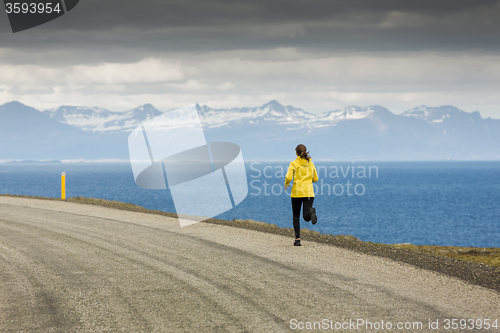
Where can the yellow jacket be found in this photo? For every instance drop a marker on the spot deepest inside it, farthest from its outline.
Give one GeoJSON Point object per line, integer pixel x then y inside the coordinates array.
{"type": "Point", "coordinates": [303, 173]}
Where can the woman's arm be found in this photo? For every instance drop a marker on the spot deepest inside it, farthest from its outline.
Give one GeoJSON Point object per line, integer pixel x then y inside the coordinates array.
{"type": "Point", "coordinates": [289, 175]}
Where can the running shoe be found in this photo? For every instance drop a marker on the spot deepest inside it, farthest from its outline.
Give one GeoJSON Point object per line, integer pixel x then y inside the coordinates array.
{"type": "Point", "coordinates": [312, 213]}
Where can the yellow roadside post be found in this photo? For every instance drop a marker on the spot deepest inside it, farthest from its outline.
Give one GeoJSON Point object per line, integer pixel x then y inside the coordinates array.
{"type": "Point", "coordinates": [63, 186]}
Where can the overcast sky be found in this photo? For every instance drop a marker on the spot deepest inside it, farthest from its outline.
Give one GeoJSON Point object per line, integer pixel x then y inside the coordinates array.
{"type": "Point", "coordinates": [319, 55]}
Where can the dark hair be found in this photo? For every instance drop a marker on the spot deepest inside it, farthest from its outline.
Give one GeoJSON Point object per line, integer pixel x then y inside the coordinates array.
{"type": "Point", "coordinates": [301, 151]}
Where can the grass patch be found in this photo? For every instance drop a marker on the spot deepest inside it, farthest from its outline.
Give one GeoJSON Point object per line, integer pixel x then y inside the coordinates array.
{"type": "Point", "coordinates": [483, 255]}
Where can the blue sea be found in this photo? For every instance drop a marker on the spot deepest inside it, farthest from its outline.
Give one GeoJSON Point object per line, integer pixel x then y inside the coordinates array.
{"type": "Point", "coordinates": [423, 203]}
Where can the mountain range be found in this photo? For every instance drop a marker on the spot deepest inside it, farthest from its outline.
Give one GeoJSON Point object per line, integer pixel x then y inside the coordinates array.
{"type": "Point", "coordinates": [267, 132]}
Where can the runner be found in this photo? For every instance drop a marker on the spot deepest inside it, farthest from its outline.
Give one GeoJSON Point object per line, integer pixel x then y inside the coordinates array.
{"type": "Point", "coordinates": [303, 172]}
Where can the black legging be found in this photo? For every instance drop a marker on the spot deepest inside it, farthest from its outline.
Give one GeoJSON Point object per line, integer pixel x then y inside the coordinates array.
{"type": "Point", "coordinates": [296, 204]}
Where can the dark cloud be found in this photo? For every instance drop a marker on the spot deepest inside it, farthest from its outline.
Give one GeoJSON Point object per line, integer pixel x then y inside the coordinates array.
{"type": "Point", "coordinates": [152, 14]}
{"type": "Point", "coordinates": [201, 26]}
{"type": "Point", "coordinates": [317, 54]}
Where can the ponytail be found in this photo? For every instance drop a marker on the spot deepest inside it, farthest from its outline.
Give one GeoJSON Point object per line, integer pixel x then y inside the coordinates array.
{"type": "Point", "coordinates": [302, 152]}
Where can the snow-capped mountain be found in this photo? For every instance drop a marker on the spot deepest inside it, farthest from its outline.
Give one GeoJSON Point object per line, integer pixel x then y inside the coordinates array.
{"type": "Point", "coordinates": [271, 112]}
{"type": "Point", "coordinates": [27, 133]}
{"type": "Point", "coordinates": [449, 119]}
{"type": "Point", "coordinates": [442, 114]}
{"type": "Point", "coordinates": [275, 113]}
{"type": "Point", "coordinates": [270, 131]}
{"type": "Point", "coordinates": [95, 119]}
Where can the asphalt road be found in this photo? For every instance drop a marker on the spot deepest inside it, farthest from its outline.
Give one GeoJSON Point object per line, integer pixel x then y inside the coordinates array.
{"type": "Point", "coordinates": [67, 267]}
